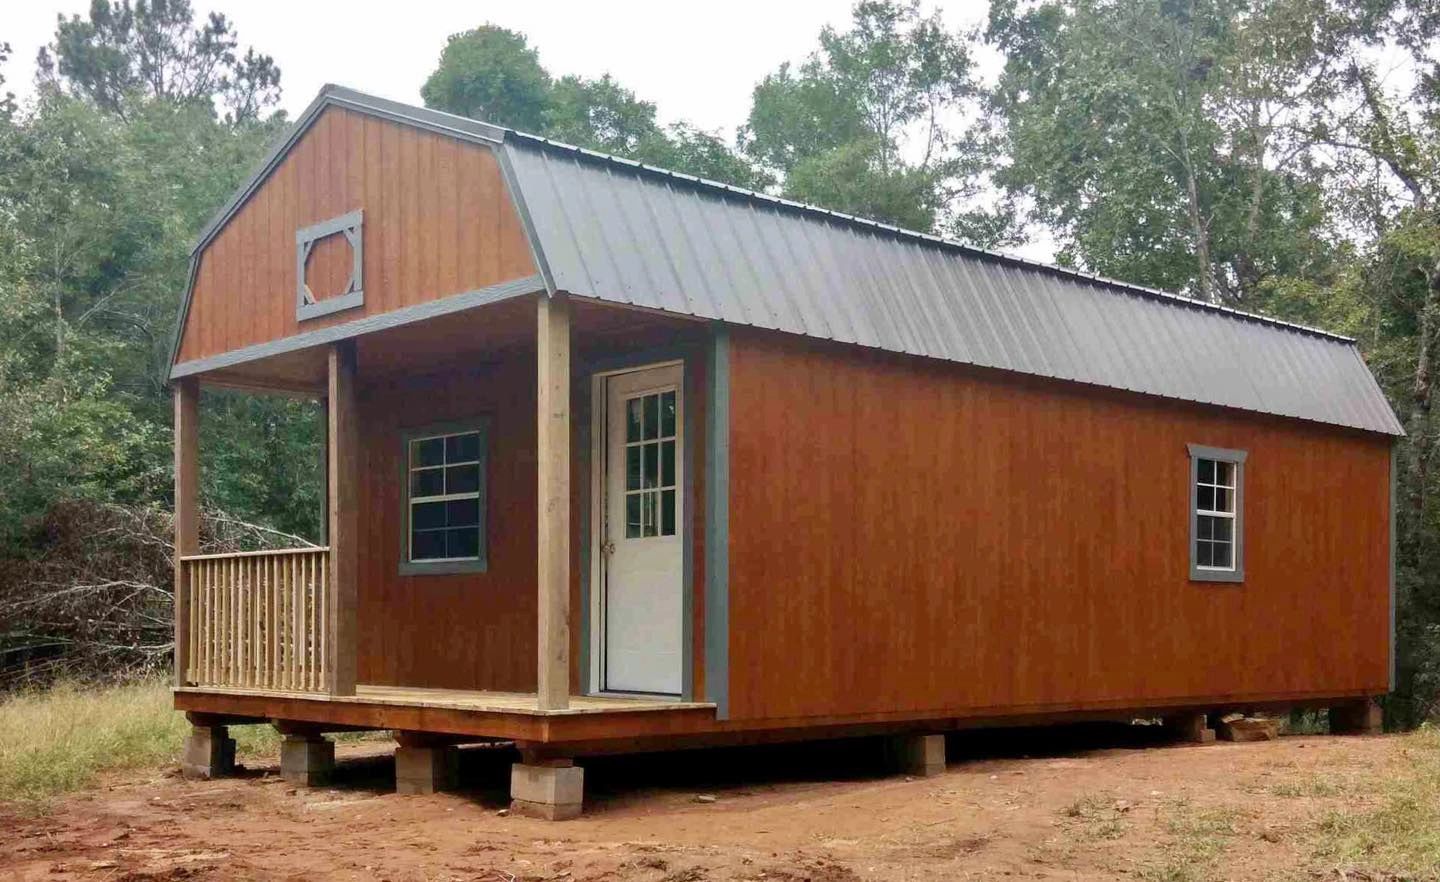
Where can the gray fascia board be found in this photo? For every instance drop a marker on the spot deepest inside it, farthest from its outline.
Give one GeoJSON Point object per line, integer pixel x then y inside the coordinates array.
{"type": "Point", "coordinates": [370, 324]}
{"type": "Point", "coordinates": [717, 525]}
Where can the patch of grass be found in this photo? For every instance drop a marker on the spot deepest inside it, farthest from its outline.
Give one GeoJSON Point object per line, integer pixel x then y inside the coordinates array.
{"type": "Point", "coordinates": [1314, 786]}
{"type": "Point", "coordinates": [1196, 839]}
{"type": "Point", "coordinates": [60, 739]}
{"type": "Point", "coordinates": [1100, 815]}
{"type": "Point", "coordinates": [1398, 832]}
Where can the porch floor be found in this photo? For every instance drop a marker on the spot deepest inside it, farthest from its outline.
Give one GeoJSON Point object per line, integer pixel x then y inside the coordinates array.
{"type": "Point", "coordinates": [460, 699]}
{"type": "Point", "coordinates": [506, 715]}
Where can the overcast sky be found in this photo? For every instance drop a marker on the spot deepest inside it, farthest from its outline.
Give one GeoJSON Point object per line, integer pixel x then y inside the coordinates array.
{"type": "Point", "coordinates": [698, 68]}
{"type": "Point", "coordinates": [695, 67]}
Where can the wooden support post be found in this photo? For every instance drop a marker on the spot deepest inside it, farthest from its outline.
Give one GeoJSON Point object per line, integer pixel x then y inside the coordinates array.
{"type": "Point", "coordinates": [187, 511]}
{"type": "Point", "coordinates": [342, 477]}
{"type": "Point", "coordinates": [553, 528]}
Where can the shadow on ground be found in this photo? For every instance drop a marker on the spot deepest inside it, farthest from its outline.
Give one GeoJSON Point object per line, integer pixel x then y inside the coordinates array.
{"type": "Point", "coordinates": [612, 780]}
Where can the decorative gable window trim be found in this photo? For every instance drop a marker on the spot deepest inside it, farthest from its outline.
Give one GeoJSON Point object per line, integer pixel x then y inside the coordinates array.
{"type": "Point", "coordinates": [1219, 473]}
{"type": "Point", "coordinates": [351, 226]}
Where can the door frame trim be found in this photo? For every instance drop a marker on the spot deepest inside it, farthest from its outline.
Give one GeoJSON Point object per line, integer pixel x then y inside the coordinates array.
{"type": "Point", "coordinates": [592, 565]}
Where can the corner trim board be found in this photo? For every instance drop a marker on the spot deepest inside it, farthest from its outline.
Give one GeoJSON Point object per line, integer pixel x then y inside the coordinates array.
{"type": "Point", "coordinates": [1394, 461]}
{"type": "Point", "coordinates": [408, 315]}
{"type": "Point", "coordinates": [717, 525]}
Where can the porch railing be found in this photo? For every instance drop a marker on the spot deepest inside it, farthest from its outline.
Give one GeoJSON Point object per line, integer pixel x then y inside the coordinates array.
{"type": "Point", "coordinates": [258, 619]}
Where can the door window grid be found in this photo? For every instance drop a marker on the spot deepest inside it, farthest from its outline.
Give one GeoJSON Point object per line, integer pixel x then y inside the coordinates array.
{"type": "Point", "coordinates": [650, 442]}
{"type": "Point", "coordinates": [1215, 485]}
{"type": "Point", "coordinates": [444, 485]}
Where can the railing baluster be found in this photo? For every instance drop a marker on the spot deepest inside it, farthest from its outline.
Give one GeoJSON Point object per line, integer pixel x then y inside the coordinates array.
{"type": "Point", "coordinates": [258, 619]}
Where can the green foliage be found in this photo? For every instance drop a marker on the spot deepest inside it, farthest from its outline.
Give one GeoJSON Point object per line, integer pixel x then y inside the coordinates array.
{"type": "Point", "coordinates": [104, 181]}
{"type": "Point", "coordinates": [1156, 137]}
{"type": "Point", "coordinates": [124, 54]}
{"type": "Point", "coordinates": [881, 122]}
{"type": "Point", "coordinates": [492, 74]}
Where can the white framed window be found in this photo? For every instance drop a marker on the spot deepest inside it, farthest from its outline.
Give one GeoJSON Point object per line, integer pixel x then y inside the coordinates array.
{"type": "Point", "coordinates": [1217, 535]}
{"type": "Point", "coordinates": [650, 484]}
{"type": "Point", "coordinates": [444, 510]}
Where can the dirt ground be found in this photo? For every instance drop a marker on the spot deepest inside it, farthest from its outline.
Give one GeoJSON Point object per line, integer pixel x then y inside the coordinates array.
{"type": "Point", "coordinates": [1082, 803]}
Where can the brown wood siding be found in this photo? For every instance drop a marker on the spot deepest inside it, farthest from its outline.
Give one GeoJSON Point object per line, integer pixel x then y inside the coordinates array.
{"type": "Point", "coordinates": [438, 221]}
{"type": "Point", "coordinates": [908, 536]}
{"type": "Point", "coordinates": [478, 631]}
{"type": "Point", "coordinates": [464, 631]}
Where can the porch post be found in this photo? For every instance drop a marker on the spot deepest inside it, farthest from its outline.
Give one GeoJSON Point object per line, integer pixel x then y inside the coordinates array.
{"type": "Point", "coordinates": [552, 455]}
{"type": "Point", "coordinates": [342, 475]}
{"type": "Point", "coordinates": [187, 510]}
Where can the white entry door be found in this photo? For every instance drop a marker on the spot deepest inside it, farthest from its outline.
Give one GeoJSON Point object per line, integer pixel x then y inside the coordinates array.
{"type": "Point", "coordinates": [641, 536]}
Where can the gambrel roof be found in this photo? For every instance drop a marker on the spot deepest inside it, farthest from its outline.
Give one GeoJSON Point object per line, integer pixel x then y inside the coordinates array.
{"type": "Point", "coordinates": [618, 231]}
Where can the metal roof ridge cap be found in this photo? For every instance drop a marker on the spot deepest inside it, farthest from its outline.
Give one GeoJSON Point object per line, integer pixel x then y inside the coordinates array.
{"type": "Point", "coordinates": [1015, 259]}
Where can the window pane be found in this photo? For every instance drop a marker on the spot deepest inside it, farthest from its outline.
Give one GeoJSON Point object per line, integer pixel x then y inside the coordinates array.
{"type": "Point", "coordinates": [427, 544]}
{"type": "Point", "coordinates": [429, 452]}
{"type": "Point", "coordinates": [1205, 469]}
{"type": "Point", "coordinates": [462, 479]}
{"type": "Point", "coordinates": [462, 543]}
{"type": "Point", "coordinates": [463, 448]}
{"type": "Point", "coordinates": [649, 526]}
{"type": "Point", "coordinates": [652, 464]}
{"type": "Point", "coordinates": [1222, 555]}
{"type": "Point", "coordinates": [632, 420]}
{"type": "Point", "coordinates": [667, 463]}
{"type": "Point", "coordinates": [1205, 498]}
{"type": "Point", "coordinates": [652, 416]}
{"type": "Point", "coordinates": [1204, 527]}
{"type": "Point", "coordinates": [632, 468]}
{"type": "Point", "coordinates": [427, 482]}
{"type": "Point", "coordinates": [632, 516]}
{"type": "Point", "coordinates": [427, 515]}
{"type": "Point", "coordinates": [462, 513]}
{"type": "Point", "coordinates": [1222, 501]}
{"type": "Point", "coordinates": [667, 513]}
{"type": "Point", "coordinates": [667, 414]}
{"type": "Point", "coordinates": [1223, 529]}
{"type": "Point", "coordinates": [1225, 474]}
{"type": "Point", "coordinates": [1203, 555]}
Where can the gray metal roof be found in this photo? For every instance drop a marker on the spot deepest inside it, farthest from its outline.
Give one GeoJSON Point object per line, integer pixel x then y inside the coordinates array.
{"type": "Point", "coordinates": [618, 231]}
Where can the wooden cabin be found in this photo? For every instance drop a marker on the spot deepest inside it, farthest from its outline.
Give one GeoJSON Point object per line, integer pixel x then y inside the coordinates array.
{"type": "Point", "coordinates": [619, 459]}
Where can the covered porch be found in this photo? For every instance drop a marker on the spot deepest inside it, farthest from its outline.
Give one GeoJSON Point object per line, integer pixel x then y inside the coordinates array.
{"type": "Point", "coordinates": [502, 639]}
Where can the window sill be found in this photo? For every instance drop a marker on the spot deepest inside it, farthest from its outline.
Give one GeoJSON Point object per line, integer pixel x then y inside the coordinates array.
{"type": "Point", "coordinates": [442, 568]}
{"type": "Point", "coordinates": [1231, 576]}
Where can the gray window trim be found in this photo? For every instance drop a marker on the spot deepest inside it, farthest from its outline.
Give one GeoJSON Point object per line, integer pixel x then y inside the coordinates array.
{"type": "Point", "coordinates": [1221, 454]}
{"type": "Point", "coordinates": [350, 225]}
{"type": "Point", "coordinates": [408, 567]}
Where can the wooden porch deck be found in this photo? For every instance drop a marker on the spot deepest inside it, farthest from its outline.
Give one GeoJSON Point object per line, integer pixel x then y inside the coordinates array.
{"type": "Point", "coordinates": [504, 715]}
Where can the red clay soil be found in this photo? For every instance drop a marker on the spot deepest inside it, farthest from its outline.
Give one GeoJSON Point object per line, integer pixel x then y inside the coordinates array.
{"type": "Point", "coordinates": [1097, 803]}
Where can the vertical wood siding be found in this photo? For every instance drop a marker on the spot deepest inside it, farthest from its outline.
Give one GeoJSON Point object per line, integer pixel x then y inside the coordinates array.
{"type": "Point", "coordinates": [478, 631]}
{"type": "Point", "coordinates": [438, 221]}
{"type": "Point", "coordinates": [908, 535]}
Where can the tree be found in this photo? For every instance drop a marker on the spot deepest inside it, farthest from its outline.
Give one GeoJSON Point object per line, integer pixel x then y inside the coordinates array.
{"type": "Point", "coordinates": [1157, 136]}
{"type": "Point", "coordinates": [491, 73]}
{"type": "Point", "coordinates": [881, 121]}
{"type": "Point", "coordinates": [151, 50]}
